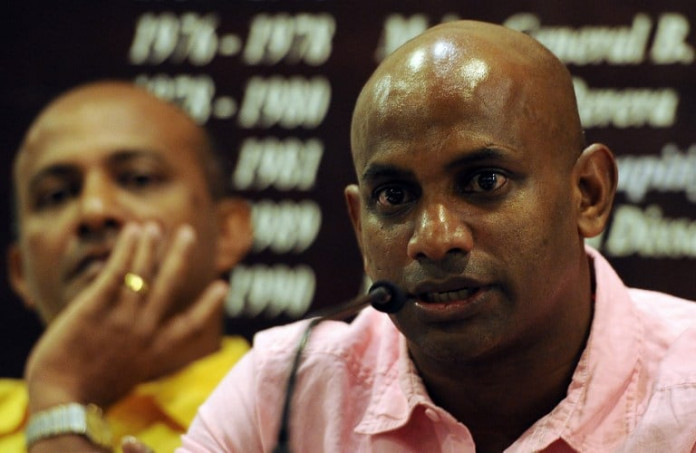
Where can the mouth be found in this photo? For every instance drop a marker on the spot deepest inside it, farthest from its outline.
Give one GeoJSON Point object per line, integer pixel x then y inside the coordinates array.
{"type": "Point", "coordinates": [452, 290]}
{"type": "Point", "coordinates": [448, 296]}
{"type": "Point", "coordinates": [91, 264]}
{"type": "Point", "coordinates": [454, 300]}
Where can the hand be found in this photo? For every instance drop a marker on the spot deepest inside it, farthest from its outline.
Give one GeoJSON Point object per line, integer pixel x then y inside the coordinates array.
{"type": "Point", "coordinates": [110, 338]}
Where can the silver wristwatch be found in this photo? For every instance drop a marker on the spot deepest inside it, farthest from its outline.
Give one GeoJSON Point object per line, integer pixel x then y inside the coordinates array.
{"type": "Point", "coordinates": [72, 418]}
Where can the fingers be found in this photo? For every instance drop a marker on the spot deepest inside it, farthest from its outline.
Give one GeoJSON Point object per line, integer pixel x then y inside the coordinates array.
{"type": "Point", "coordinates": [172, 272]}
{"type": "Point", "coordinates": [196, 331]}
{"type": "Point", "coordinates": [143, 265]}
{"type": "Point", "coordinates": [124, 332]}
{"type": "Point", "coordinates": [108, 284]}
{"type": "Point", "coordinates": [134, 252]}
{"type": "Point", "coordinates": [203, 317]}
{"type": "Point", "coordinates": [135, 256]}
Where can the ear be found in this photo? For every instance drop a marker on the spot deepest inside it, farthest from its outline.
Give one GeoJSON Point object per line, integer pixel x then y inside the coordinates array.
{"type": "Point", "coordinates": [18, 281]}
{"type": "Point", "coordinates": [596, 177]}
{"type": "Point", "coordinates": [235, 232]}
{"type": "Point", "coordinates": [352, 195]}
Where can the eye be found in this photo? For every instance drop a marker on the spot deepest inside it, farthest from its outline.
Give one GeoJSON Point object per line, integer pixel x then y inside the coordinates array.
{"type": "Point", "coordinates": [54, 196]}
{"type": "Point", "coordinates": [485, 181]}
{"type": "Point", "coordinates": [391, 198]}
{"type": "Point", "coordinates": [138, 179]}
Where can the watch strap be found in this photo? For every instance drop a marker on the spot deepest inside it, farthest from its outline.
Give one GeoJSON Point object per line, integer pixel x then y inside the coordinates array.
{"type": "Point", "coordinates": [71, 418]}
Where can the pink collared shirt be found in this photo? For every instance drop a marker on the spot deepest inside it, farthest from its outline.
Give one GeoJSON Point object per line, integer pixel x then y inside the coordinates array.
{"type": "Point", "coordinates": [634, 389]}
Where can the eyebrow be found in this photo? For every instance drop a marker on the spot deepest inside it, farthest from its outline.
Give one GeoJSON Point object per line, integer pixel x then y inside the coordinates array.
{"type": "Point", "coordinates": [63, 170]}
{"type": "Point", "coordinates": [377, 170]}
{"type": "Point", "coordinates": [55, 171]}
{"type": "Point", "coordinates": [380, 171]}
{"type": "Point", "coordinates": [476, 156]}
{"type": "Point", "coordinates": [126, 155]}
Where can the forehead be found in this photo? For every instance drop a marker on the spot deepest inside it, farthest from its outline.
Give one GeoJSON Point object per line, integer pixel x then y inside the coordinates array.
{"type": "Point", "coordinates": [448, 93]}
{"type": "Point", "coordinates": [439, 115]}
{"type": "Point", "coordinates": [82, 131]}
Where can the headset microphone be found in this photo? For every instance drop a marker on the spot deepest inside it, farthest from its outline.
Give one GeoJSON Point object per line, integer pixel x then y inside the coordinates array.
{"type": "Point", "coordinates": [384, 296]}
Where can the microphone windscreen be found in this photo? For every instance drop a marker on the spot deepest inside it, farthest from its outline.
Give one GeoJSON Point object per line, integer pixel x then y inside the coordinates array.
{"type": "Point", "coordinates": [389, 298]}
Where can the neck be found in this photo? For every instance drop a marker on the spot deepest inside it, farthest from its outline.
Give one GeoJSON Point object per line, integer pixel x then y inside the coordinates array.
{"type": "Point", "coordinates": [499, 402]}
{"type": "Point", "coordinates": [502, 395]}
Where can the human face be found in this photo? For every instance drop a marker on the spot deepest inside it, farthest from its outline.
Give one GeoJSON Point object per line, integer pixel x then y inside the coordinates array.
{"type": "Point", "coordinates": [467, 202]}
{"type": "Point", "coordinates": [93, 163]}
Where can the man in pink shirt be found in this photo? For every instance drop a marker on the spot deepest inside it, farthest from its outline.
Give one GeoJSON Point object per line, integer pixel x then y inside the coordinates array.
{"type": "Point", "coordinates": [475, 194]}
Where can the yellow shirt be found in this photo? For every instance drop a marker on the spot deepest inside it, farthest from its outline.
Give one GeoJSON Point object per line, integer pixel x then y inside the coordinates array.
{"type": "Point", "coordinates": [157, 412]}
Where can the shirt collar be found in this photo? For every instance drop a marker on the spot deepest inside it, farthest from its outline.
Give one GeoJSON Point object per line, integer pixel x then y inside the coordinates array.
{"type": "Point", "coordinates": [179, 395]}
{"type": "Point", "coordinates": [606, 371]}
{"type": "Point", "coordinates": [604, 384]}
{"type": "Point", "coordinates": [397, 388]}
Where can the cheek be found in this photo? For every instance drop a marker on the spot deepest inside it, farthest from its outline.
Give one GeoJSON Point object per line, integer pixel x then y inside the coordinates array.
{"type": "Point", "coordinates": [517, 236]}
{"type": "Point", "coordinates": [186, 206]}
{"type": "Point", "coordinates": [200, 214]}
{"type": "Point", "coordinates": [384, 249]}
{"type": "Point", "coordinates": [536, 220]}
{"type": "Point", "coordinates": [538, 242]}
{"type": "Point", "coordinates": [43, 251]}
{"type": "Point", "coordinates": [43, 262]}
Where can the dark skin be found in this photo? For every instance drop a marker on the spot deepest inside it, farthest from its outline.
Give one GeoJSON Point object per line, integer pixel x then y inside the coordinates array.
{"type": "Point", "coordinates": [109, 180]}
{"type": "Point", "coordinates": [475, 194]}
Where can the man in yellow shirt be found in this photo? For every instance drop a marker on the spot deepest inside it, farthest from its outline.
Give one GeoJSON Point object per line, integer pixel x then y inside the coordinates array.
{"type": "Point", "coordinates": [124, 230]}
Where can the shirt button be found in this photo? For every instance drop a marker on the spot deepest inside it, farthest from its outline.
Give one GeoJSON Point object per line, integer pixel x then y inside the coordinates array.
{"type": "Point", "coordinates": [432, 414]}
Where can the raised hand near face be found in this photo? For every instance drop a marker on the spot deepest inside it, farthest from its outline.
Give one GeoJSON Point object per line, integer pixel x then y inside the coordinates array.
{"type": "Point", "coordinates": [112, 337]}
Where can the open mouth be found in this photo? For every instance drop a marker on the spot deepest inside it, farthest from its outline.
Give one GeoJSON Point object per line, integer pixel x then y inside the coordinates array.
{"type": "Point", "coordinates": [86, 263]}
{"type": "Point", "coordinates": [448, 296]}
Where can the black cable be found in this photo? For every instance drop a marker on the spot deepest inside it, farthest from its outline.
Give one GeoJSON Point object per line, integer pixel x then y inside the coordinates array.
{"type": "Point", "coordinates": [384, 296]}
{"type": "Point", "coordinates": [283, 445]}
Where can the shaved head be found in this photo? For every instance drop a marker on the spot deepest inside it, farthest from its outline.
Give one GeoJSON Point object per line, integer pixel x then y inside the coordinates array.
{"type": "Point", "coordinates": [474, 193]}
{"type": "Point", "coordinates": [467, 62]}
{"type": "Point", "coordinates": [471, 166]}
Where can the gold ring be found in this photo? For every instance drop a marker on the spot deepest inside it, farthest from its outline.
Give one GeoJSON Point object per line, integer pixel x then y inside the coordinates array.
{"type": "Point", "coordinates": [135, 283]}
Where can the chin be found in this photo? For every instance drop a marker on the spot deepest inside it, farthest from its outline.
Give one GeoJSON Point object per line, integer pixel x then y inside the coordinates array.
{"type": "Point", "coordinates": [454, 343]}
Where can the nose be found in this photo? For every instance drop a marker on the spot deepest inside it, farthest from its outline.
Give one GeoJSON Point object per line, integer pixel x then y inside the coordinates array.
{"type": "Point", "coordinates": [99, 206]}
{"type": "Point", "coordinates": [437, 232]}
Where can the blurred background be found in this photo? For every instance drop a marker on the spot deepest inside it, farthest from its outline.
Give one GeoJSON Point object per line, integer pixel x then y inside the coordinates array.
{"type": "Point", "coordinates": [275, 81]}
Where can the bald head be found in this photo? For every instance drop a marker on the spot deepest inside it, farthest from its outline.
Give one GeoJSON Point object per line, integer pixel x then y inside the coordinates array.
{"type": "Point", "coordinates": [473, 183]}
{"type": "Point", "coordinates": [472, 69]}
